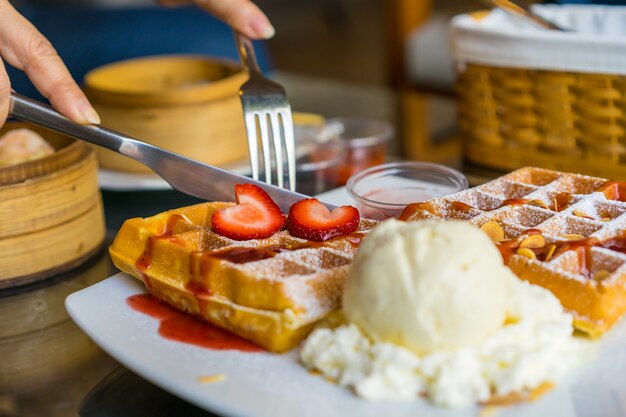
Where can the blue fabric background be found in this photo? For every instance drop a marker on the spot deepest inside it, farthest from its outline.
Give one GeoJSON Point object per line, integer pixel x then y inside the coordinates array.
{"type": "Point", "coordinates": [89, 37]}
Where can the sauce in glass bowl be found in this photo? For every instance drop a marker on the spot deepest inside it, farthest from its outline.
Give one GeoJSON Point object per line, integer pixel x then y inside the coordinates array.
{"type": "Point", "coordinates": [384, 191]}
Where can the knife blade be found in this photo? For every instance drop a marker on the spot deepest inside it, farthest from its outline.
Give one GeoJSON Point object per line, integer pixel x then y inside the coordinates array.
{"type": "Point", "coordinates": [182, 173]}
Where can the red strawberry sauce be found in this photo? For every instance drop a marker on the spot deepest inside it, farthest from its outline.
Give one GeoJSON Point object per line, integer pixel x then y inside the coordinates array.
{"type": "Point", "coordinates": [185, 328]}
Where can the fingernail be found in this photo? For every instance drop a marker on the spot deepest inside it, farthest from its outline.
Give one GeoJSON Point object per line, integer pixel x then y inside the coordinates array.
{"type": "Point", "coordinates": [262, 28]}
{"type": "Point", "coordinates": [89, 113]}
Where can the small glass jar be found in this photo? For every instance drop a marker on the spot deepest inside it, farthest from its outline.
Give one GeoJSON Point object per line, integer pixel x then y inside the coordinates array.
{"type": "Point", "coordinates": [365, 141]}
{"type": "Point", "coordinates": [384, 191]}
{"type": "Point", "coordinates": [317, 168]}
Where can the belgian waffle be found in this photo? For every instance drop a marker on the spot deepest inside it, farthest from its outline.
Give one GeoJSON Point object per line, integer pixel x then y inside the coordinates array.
{"type": "Point", "coordinates": [565, 232]}
{"type": "Point", "coordinates": [271, 291]}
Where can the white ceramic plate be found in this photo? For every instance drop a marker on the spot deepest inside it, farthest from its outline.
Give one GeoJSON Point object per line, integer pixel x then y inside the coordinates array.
{"type": "Point", "coordinates": [264, 384]}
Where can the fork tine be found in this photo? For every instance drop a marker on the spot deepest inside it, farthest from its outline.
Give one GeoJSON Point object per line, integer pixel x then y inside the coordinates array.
{"type": "Point", "coordinates": [289, 146]}
{"type": "Point", "coordinates": [278, 147]}
{"type": "Point", "coordinates": [253, 146]}
{"type": "Point", "coordinates": [265, 147]}
{"type": "Point", "coordinates": [266, 99]}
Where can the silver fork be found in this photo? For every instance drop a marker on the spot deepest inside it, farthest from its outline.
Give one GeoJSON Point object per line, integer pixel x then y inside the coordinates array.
{"type": "Point", "coordinates": [266, 114]}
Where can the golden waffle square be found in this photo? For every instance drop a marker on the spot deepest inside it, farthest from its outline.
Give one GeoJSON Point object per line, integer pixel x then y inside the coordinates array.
{"type": "Point", "coordinates": [271, 291]}
{"type": "Point", "coordinates": [565, 232]}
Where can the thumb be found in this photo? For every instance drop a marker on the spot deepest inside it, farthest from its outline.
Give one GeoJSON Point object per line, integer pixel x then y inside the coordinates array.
{"type": "Point", "coordinates": [5, 93]}
{"type": "Point", "coordinates": [243, 15]}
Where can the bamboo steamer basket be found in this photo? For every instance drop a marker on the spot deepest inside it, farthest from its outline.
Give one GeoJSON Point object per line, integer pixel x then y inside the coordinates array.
{"type": "Point", "coordinates": [544, 98]}
{"type": "Point", "coordinates": [186, 104]}
{"type": "Point", "coordinates": [51, 215]}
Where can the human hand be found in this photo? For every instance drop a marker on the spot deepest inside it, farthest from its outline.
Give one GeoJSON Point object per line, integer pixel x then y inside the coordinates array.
{"type": "Point", "coordinates": [22, 46]}
{"type": "Point", "coordinates": [242, 15]}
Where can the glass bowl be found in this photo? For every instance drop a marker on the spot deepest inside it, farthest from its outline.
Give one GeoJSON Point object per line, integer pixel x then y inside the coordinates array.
{"type": "Point", "coordinates": [384, 191]}
{"type": "Point", "coordinates": [364, 139]}
{"type": "Point", "coordinates": [317, 167]}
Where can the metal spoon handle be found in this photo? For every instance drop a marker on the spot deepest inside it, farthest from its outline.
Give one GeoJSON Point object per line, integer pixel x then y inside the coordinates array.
{"type": "Point", "coordinates": [513, 8]}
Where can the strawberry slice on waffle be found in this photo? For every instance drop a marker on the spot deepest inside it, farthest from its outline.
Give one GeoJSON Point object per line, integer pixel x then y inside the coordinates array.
{"type": "Point", "coordinates": [310, 219]}
{"type": "Point", "coordinates": [256, 215]}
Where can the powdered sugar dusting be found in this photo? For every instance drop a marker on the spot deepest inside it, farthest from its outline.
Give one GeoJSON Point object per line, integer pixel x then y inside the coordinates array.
{"type": "Point", "coordinates": [527, 201]}
{"type": "Point", "coordinates": [478, 200]}
{"type": "Point", "coordinates": [505, 189]}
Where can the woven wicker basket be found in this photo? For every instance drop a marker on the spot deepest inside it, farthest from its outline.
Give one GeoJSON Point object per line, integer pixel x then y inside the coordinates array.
{"type": "Point", "coordinates": [565, 120]}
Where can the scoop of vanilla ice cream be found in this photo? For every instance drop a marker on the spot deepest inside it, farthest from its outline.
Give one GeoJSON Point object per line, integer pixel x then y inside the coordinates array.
{"type": "Point", "coordinates": [427, 286]}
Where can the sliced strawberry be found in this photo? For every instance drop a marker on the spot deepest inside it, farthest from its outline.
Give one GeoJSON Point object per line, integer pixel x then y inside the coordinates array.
{"type": "Point", "coordinates": [255, 216]}
{"type": "Point", "coordinates": [310, 219]}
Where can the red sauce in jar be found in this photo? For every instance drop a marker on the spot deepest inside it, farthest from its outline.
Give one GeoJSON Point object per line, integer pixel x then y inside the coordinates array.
{"type": "Point", "coordinates": [360, 158]}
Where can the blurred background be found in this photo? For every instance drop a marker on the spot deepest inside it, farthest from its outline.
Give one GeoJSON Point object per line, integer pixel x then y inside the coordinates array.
{"type": "Point", "coordinates": [335, 57]}
{"type": "Point", "coordinates": [379, 59]}
{"type": "Point", "coordinates": [387, 61]}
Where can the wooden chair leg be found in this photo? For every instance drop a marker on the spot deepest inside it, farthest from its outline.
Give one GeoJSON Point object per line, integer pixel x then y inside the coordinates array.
{"type": "Point", "coordinates": [416, 135]}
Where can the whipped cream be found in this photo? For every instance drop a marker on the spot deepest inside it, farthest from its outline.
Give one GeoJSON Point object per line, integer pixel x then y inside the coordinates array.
{"type": "Point", "coordinates": [534, 346]}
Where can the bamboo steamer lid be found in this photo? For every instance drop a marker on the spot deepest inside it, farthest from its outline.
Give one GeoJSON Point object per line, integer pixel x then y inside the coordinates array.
{"type": "Point", "coordinates": [186, 104]}
{"type": "Point", "coordinates": [51, 215]}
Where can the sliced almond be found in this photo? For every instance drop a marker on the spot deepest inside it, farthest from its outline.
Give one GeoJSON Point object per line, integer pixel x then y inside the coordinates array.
{"type": "Point", "coordinates": [506, 400]}
{"type": "Point", "coordinates": [540, 390]}
{"type": "Point", "coordinates": [572, 236]}
{"type": "Point", "coordinates": [556, 204]}
{"type": "Point", "coordinates": [601, 274]}
{"type": "Point", "coordinates": [549, 252]}
{"type": "Point", "coordinates": [533, 242]}
{"type": "Point", "coordinates": [540, 204]}
{"type": "Point", "coordinates": [606, 219]}
{"type": "Point", "coordinates": [211, 379]}
{"type": "Point", "coordinates": [579, 213]}
{"type": "Point", "coordinates": [494, 231]}
{"type": "Point", "coordinates": [527, 253]}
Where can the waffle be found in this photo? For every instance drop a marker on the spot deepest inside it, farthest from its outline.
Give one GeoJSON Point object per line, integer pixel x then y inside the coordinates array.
{"type": "Point", "coordinates": [270, 291]}
{"type": "Point", "coordinates": [564, 232]}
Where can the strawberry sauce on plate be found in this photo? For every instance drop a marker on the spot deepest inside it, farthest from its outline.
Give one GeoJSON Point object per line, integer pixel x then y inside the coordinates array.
{"type": "Point", "coordinates": [185, 328]}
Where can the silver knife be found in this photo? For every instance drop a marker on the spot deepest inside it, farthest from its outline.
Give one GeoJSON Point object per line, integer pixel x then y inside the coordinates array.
{"type": "Point", "coordinates": [183, 174]}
